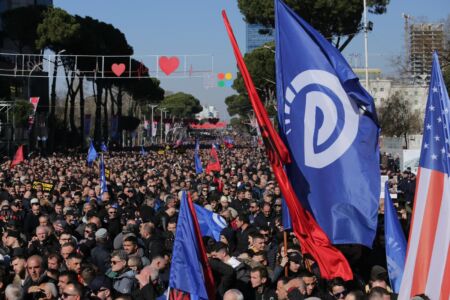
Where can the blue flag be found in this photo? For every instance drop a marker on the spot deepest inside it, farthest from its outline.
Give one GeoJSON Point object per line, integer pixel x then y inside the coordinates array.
{"type": "Point", "coordinates": [197, 160]}
{"type": "Point", "coordinates": [328, 122]}
{"type": "Point", "coordinates": [186, 273]}
{"type": "Point", "coordinates": [103, 147]}
{"type": "Point", "coordinates": [285, 216]}
{"type": "Point", "coordinates": [143, 152]}
{"type": "Point", "coordinates": [103, 187]}
{"type": "Point", "coordinates": [92, 155]}
{"type": "Point", "coordinates": [395, 242]}
{"type": "Point", "coordinates": [211, 224]}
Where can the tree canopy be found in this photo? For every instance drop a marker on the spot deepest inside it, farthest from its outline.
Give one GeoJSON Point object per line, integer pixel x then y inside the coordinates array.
{"type": "Point", "coordinates": [23, 34]}
{"type": "Point", "coordinates": [182, 105]}
{"type": "Point", "coordinates": [261, 65]}
{"type": "Point", "coordinates": [334, 19]}
{"type": "Point", "coordinates": [397, 118]}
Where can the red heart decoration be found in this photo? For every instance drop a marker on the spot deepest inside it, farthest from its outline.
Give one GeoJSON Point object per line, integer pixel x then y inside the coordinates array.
{"type": "Point", "coordinates": [168, 64]}
{"type": "Point", "coordinates": [118, 69]}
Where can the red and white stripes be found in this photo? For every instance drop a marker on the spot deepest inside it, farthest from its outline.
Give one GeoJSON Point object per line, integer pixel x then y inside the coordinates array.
{"type": "Point", "coordinates": [427, 268]}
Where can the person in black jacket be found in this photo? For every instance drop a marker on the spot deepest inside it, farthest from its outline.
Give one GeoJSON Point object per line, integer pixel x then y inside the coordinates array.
{"type": "Point", "coordinates": [244, 230]}
{"type": "Point", "coordinates": [261, 282]}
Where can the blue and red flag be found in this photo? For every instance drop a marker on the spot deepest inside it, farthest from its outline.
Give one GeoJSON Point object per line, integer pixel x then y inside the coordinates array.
{"type": "Point", "coordinates": [228, 142]}
{"type": "Point", "coordinates": [427, 267]}
{"type": "Point", "coordinates": [329, 124]}
{"type": "Point", "coordinates": [313, 240]}
{"type": "Point", "coordinates": [190, 271]}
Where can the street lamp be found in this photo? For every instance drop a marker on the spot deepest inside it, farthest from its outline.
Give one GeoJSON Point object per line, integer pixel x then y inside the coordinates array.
{"type": "Point", "coordinates": [366, 37]}
{"type": "Point", "coordinates": [162, 111]}
{"type": "Point", "coordinates": [29, 76]}
{"type": "Point", "coordinates": [152, 107]}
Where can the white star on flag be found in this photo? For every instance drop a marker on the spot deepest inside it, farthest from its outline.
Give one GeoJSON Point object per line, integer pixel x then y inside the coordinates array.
{"type": "Point", "coordinates": [433, 157]}
{"type": "Point", "coordinates": [435, 89]}
{"type": "Point", "coordinates": [439, 120]}
{"type": "Point", "coordinates": [443, 150]}
{"type": "Point", "coordinates": [437, 138]}
{"type": "Point", "coordinates": [425, 146]}
{"type": "Point", "coordinates": [431, 108]}
{"type": "Point", "coordinates": [428, 126]}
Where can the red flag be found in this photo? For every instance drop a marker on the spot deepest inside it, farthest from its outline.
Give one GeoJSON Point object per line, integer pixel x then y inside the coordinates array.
{"type": "Point", "coordinates": [18, 157]}
{"type": "Point", "coordinates": [214, 163]}
{"type": "Point", "coordinates": [313, 239]}
{"type": "Point", "coordinates": [207, 273]}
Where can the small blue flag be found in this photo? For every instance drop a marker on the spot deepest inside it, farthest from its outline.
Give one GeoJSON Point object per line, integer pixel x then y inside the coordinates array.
{"type": "Point", "coordinates": [329, 124]}
{"type": "Point", "coordinates": [186, 271]}
{"type": "Point", "coordinates": [143, 152]}
{"type": "Point", "coordinates": [395, 242]}
{"type": "Point", "coordinates": [103, 186]}
{"type": "Point", "coordinates": [211, 224]}
{"type": "Point", "coordinates": [197, 160]}
{"type": "Point", "coordinates": [285, 216]}
{"type": "Point", "coordinates": [92, 155]}
{"type": "Point", "coordinates": [103, 147]}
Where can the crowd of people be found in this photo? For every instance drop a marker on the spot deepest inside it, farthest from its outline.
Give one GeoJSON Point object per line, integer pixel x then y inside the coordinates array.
{"type": "Point", "coordinates": [63, 239]}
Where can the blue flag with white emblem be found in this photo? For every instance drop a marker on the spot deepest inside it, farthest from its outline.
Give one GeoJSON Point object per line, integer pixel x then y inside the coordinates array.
{"type": "Point", "coordinates": [92, 154]}
{"type": "Point", "coordinates": [211, 224]}
{"type": "Point", "coordinates": [395, 242]}
{"type": "Point", "coordinates": [328, 122]}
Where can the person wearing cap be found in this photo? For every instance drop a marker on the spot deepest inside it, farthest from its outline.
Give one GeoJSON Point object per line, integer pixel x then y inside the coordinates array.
{"type": "Point", "coordinates": [100, 253]}
{"type": "Point", "coordinates": [123, 277]}
{"type": "Point", "coordinates": [101, 288]}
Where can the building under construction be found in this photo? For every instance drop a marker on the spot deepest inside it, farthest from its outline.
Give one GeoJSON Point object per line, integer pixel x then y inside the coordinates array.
{"type": "Point", "coordinates": [424, 38]}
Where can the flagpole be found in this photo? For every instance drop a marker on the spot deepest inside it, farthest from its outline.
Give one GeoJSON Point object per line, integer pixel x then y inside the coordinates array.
{"type": "Point", "coordinates": [286, 267]}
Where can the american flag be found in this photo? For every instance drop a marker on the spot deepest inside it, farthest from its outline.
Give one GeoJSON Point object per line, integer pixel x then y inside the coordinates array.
{"type": "Point", "coordinates": [427, 267]}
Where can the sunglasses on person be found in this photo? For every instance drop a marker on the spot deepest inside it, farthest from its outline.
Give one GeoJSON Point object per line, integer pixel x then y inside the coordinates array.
{"type": "Point", "coordinates": [115, 262]}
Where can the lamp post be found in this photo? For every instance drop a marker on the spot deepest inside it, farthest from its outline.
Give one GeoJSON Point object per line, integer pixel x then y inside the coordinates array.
{"type": "Point", "coordinates": [162, 111]}
{"type": "Point", "coordinates": [366, 37]}
{"type": "Point", "coordinates": [152, 107]}
{"type": "Point", "coordinates": [29, 76]}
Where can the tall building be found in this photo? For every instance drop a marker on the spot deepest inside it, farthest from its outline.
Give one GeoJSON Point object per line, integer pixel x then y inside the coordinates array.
{"type": "Point", "coordinates": [257, 35]}
{"type": "Point", "coordinates": [424, 38]}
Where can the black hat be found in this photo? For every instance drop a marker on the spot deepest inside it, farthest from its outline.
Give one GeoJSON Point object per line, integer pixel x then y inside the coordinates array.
{"type": "Point", "coordinates": [295, 257]}
{"type": "Point", "coordinates": [14, 233]}
{"type": "Point", "coordinates": [100, 282]}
